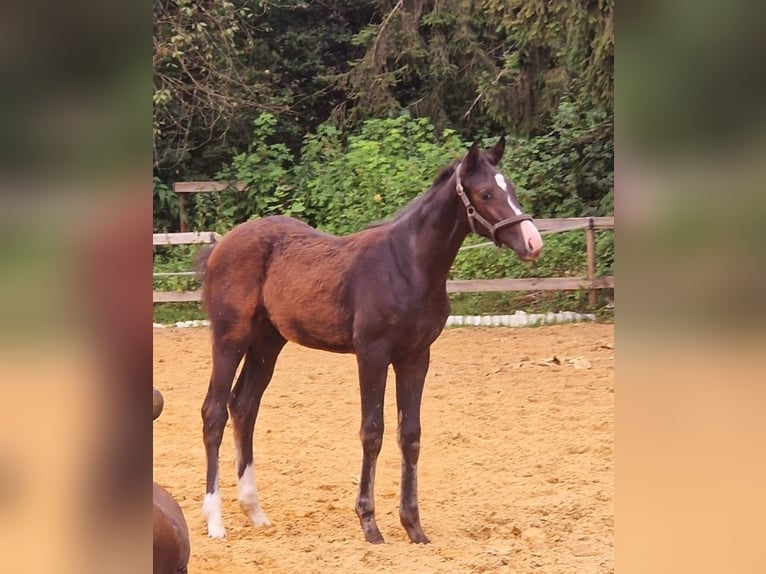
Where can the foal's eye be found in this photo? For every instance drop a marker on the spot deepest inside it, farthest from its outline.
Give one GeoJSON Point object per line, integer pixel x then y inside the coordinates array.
{"type": "Point", "coordinates": [485, 195]}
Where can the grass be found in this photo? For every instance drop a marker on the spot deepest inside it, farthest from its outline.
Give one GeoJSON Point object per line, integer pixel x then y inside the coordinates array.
{"type": "Point", "coordinates": [169, 313]}
{"type": "Point", "coordinates": [507, 302]}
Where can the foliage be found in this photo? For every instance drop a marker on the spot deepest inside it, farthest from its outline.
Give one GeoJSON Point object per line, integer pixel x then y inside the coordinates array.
{"type": "Point", "coordinates": [218, 64]}
{"type": "Point", "coordinates": [203, 80]}
{"type": "Point", "coordinates": [483, 64]}
{"type": "Point", "coordinates": [264, 170]}
{"type": "Point", "coordinates": [338, 185]}
{"type": "Point", "coordinates": [165, 206]}
{"type": "Point", "coordinates": [558, 49]}
{"type": "Point", "coordinates": [480, 67]}
{"type": "Point", "coordinates": [564, 255]}
{"type": "Point", "coordinates": [375, 173]}
{"type": "Point", "coordinates": [307, 44]}
{"type": "Point", "coordinates": [568, 171]}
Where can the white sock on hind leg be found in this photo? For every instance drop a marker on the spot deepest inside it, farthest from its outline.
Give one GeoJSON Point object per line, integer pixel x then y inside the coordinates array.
{"type": "Point", "coordinates": [248, 497]}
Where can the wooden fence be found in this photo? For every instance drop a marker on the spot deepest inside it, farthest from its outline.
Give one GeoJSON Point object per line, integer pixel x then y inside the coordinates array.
{"type": "Point", "coordinates": [546, 226]}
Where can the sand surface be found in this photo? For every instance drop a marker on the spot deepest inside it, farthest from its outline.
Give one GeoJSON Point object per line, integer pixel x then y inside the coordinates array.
{"type": "Point", "coordinates": [515, 472]}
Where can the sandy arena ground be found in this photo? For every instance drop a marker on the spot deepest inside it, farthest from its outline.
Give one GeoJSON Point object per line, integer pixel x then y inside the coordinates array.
{"type": "Point", "coordinates": [515, 472]}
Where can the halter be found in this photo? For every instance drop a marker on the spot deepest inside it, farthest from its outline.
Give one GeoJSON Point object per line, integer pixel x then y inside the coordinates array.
{"type": "Point", "coordinates": [472, 214]}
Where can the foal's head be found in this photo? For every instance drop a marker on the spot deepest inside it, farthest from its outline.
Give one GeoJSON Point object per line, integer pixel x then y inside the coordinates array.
{"type": "Point", "coordinates": [491, 204]}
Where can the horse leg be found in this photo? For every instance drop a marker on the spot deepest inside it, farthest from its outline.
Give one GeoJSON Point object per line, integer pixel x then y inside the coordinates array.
{"type": "Point", "coordinates": [372, 384]}
{"type": "Point", "coordinates": [226, 358]}
{"type": "Point", "coordinates": [244, 404]}
{"type": "Point", "coordinates": [410, 378]}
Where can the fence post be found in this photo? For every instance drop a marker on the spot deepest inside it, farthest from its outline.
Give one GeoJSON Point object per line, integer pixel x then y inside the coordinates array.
{"type": "Point", "coordinates": [181, 212]}
{"type": "Point", "coordinates": [590, 246]}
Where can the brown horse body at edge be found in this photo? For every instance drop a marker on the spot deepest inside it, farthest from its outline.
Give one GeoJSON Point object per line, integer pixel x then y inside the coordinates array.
{"type": "Point", "coordinates": [171, 547]}
{"type": "Point", "coordinates": [379, 293]}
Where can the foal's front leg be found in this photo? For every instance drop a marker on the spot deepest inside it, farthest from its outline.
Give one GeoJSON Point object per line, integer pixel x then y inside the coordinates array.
{"type": "Point", "coordinates": [410, 378]}
{"type": "Point", "coordinates": [372, 385]}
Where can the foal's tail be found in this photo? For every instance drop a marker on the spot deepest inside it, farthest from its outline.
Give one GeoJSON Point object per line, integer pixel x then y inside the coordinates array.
{"type": "Point", "coordinates": [201, 263]}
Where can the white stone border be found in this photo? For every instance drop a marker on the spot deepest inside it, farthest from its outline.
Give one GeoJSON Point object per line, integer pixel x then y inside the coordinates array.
{"type": "Point", "coordinates": [518, 319]}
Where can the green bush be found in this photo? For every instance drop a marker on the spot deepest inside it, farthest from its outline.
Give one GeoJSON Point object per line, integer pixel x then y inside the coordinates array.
{"type": "Point", "coordinates": [568, 172]}
{"type": "Point", "coordinates": [347, 185]}
{"type": "Point", "coordinates": [563, 255]}
{"type": "Point", "coordinates": [165, 206]}
{"type": "Point", "coordinates": [266, 170]}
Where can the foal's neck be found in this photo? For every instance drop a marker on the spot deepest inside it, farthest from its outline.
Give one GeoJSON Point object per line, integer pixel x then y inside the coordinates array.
{"type": "Point", "coordinates": [434, 231]}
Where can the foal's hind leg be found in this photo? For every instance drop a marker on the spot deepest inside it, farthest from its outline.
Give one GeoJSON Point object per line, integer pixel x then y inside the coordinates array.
{"type": "Point", "coordinates": [244, 404]}
{"type": "Point", "coordinates": [410, 378]}
{"type": "Point", "coordinates": [226, 358]}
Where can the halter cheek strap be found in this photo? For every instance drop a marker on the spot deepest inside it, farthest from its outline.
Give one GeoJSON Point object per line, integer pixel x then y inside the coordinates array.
{"type": "Point", "coordinates": [473, 215]}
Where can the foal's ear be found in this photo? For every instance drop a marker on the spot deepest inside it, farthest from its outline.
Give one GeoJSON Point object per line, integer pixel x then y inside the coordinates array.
{"type": "Point", "coordinates": [495, 153]}
{"type": "Point", "coordinates": [472, 159]}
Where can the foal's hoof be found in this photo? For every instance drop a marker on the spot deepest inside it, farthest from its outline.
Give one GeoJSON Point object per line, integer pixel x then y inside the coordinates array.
{"type": "Point", "coordinates": [258, 518]}
{"type": "Point", "coordinates": [216, 531]}
{"type": "Point", "coordinates": [376, 538]}
{"type": "Point", "coordinates": [417, 536]}
{"type": "Point", "coordinates": [419, 539]}
{"type": "Point", "coordinates": [372, 534]}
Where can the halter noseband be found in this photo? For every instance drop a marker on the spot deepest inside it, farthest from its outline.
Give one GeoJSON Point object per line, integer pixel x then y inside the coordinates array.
{"type": "Point", "coordinates": [472, 214]}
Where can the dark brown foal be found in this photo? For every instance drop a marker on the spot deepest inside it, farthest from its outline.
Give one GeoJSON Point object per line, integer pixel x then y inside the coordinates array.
{"type": "Point", "coordinates": [379, 293]}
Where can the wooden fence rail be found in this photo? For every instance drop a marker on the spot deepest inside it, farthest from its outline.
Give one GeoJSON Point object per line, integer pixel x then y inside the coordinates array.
{"type": "Point", "coordinates": [187, 238]}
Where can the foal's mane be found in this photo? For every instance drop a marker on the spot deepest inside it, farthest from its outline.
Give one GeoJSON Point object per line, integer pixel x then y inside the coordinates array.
{"type": "Point", "coordinates": [439, 180]}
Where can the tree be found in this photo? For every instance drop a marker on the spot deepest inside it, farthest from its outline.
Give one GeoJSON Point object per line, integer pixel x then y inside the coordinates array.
{"type": "Point", "coordinates": [204, 83]}
{"type": "Point", "coordinates": [218, 66]}
{"type": "Point", "coordinates": [483, 65]}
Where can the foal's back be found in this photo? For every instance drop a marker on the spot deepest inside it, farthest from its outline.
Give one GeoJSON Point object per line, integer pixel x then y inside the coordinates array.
{"type": "Point", "coordinates": [301, 280]}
